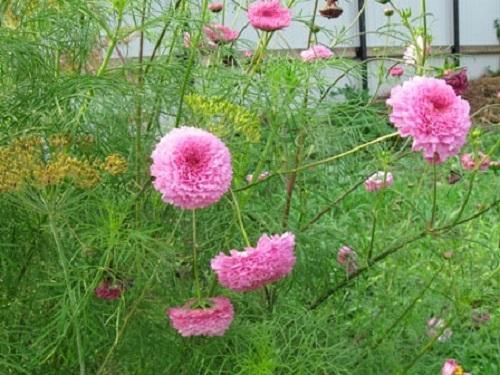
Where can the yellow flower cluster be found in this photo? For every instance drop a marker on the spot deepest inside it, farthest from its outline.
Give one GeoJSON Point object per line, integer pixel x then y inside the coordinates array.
{"type": "Point", "coordinates": [31, 161]}
{"type": "Point", "coordinates": [220, 116]}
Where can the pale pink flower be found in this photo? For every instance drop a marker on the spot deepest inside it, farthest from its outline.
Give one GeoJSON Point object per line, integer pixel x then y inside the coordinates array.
{"type": "Point", "coordinates": [191, 168]}
{"type": "Point", "coordinates": [107, 291]}
{"type": "Point", "coordinates": [428, 110]}
{"type": "Point", "coordinates": [457, 80]}
{"type": "Point", "coordinates": [210, 321]}
{"type": "Point", "coordinates": [346, 257]}
{"type": "Point", "coordinates": [379, 180]}
{"type": "Point", "coordinates": [269, 15]}
{"type": "Point", "coordinates": [248, 54]}
{"type": "Point", "coordinates": [498, 94]}
{"type": "Point", "coordinates": [396, 71]}
{"type": "Point", "coordinates": [470, 163]}
{"type": "Point", "coordinates": [434, 326]}
{"type": "Point", "coordinates": [317, 52]}
{"type": "Point", "coordinates": [215, 7]}
{"type": "Point", "coordinates": [410, 55]}
{"type": "Point", "coordinates": [218, 33]}
{"type": "Point", "coordinates": [262, 177]}
{"type": "Point", "coordinates": [451, 367]}
{"type": "Point", "coordinates": [187, 40]}
{"type": "Point", "coordinates": [270, 261]}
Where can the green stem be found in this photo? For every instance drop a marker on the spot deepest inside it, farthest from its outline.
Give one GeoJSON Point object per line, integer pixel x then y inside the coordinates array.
{"type": "Point", "coordinates": [63, 261]}
{"type": "Point", "coordinates": [240, 219]}
{"type": "Point", "coordinates": [434, 194]}
{"type": "Point", "coordinates": [195, 263]}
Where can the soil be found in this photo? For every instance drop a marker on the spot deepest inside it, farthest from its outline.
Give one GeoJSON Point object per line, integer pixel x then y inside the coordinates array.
{"type": "Point", "coordinates": [482, 92]}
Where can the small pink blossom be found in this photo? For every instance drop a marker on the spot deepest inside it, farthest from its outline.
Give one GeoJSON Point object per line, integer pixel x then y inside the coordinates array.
{"type": "Point", "coordinates": [451, 367]}
{"type": "Point", "coordinates": [269, 15]}
{"type": "Point", "coordinates": [457, 80]}
{"type": "Point", "coordinates": [379, 180]}
{"type": "Point", "coordinates": [191, 168]}
{"type": "Point", "coordinates": [470, 163]}
{"type": "Point", "coordinates": [262, 177]}
{"type": "Point", "coordinates": [210, 321]}
{"type": "Point", "coordinates": [218, 33]}
{"type": "Point", "coordinates": [107, 291]}
{"type": "Point", "coordinates": [434, 326]}
{"type": "Point", "coordinates": [317, 52]}
{"type": "Point", "coordinates": [346, 257]}
{"type": "Point", "coordinates": [396, 71]}
{"type": "Point", "coordinates": [271, 260]}
{"type": "Point", "coordinates": [498, 94]}
{"type": "Point", "coordinates": [428, 110]}
{"type": "Point", "coordinates": [248, 54]}
{"type": "Point", "coordinates": [410, 55]}
{"type": "Point", "coordinates": [215, 7]}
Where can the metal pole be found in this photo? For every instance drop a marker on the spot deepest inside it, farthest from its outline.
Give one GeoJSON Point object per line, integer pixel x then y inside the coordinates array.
{"type": "Point", "coordinates": [362, 50]}
{"type": "Point", "coordinates": [456, 31]}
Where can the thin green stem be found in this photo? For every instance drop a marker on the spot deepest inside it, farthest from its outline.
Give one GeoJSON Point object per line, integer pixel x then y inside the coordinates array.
{"type": "Point", "coordinates": [63, 261]}
{"type": "Point", "coordinates": [240, 219]}
{"type": "Point", "coordinates": [195, 259]}
{"type": "Point", "coordinates": [434, 194]}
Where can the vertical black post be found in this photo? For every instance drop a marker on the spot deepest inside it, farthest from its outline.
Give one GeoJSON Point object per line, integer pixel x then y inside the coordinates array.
{"type": "Point", "coordinates": [362, 50]}
{"type": "Point", "coordinates": [456, 31]}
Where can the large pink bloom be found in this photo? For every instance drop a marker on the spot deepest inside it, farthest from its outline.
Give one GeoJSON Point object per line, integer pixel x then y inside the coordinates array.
{"type": "Point", "coordinates": [191, 167]}
{"type": "Point", "coordinates": [269, 15]}
{"type": "Point", "coordinates": [218, 33]}
{"type": "Point", "coordinates": [317, 52]}
{"type": "Point", "coordinates": [271, 260]}
{"type": "Point", "coordinates": [211, 321]}
{"type": "Point", "coordinates": [428, 110]}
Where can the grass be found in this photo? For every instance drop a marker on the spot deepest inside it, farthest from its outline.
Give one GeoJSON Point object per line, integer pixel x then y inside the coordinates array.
{"type": "Point", "coordinates": [59, 241]}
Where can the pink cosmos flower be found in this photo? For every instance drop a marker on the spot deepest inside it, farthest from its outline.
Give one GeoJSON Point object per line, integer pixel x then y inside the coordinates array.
{"type": "Point", "coordinates": [451, 367]}
{"type": "Point", "coordinates": [248, 53]}
{"type": "Point", "coordinates": [107, 291]}
{"type": "Point", "coordinates": [498, 94]}
{"type": "Point", "coordinates": [215, 7]}
{"type": "Point", "coordinates": [210, 321]}
{"type": "Point", "coordinates": [379, 180]}
{"type": "Point", "coordinates": [482, 161]}
{"type": "Point", "coordinates": [434, 326]}
{"type": "Point", "coordinates": [347, 258]}
{"type": "Point", "coordinates": [271, 260]}
{"type": "Point", "coordinates": [218, 33]}
{"type": "Point", "coordinates": [457, 80]}
{"type": "Point", "coordinates": [269, 15]}
{"type": "Point", "coordinates": [428, 110]}
{"type": "Point", "coordinates": [396, 71]}
{"type": "Point", "coordinates": [317, 52]}
{"type": "Point", "coordinates": [191, 168]}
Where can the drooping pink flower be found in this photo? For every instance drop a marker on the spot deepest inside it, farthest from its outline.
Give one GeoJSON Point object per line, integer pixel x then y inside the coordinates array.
{"type": "Point", "coordinates": [210, 321]}
{"type": "Point", "coordinates": [218, 33]}
{"type": "Point", "coordinates": [215, 7]}
{"type": "Point", "coordinates": [317, 52]}
{"type": "Point", "coordinates": [346, 257]}
{"type": "Point", "coordinates": [451, 367]}
{"type": "Point", "coordinates": [470, 163]}
{"type": "Point", "coordinates": [396, 71]}
{"type": "Point", "coordinates": [428, 110]}
{"type": "Point", "coordinates": [379, 180]}
{"type": "Point", "coordinates": [270, 261]}
{"type": "Point", "coordinates": [191, 168]}
{"type": "Point", "coordinates": [107, 291]}
{"type": "Point", "coordinates": [457, 80]}
{"type": "Point", "coordinates": [435, 325]}
{"type": "Point", "coordinates": [269, 15]}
